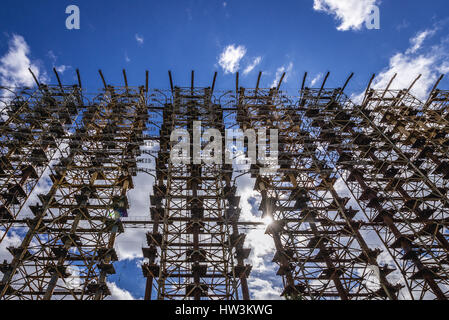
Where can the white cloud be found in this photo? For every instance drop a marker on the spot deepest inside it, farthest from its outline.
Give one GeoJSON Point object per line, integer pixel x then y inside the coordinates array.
{"type": "Point", "coordinates": [418, 40]}
{"type": "Point", "coordinates": [129, 244]}
{"type": "Point", "coordinates": [52, 56]}
{"type": "Point", "coordinates": [118, 293]}
{"type": "Point", "coordinates": [264, 290]}
{"type": "Point", "coordinates": [403, 25]}
{"type": "Point", "coordinates": [414, 61]}
{"type": "Point", "coordinates": [252, 65]}
{"type": "Point", "coordinates": [444, 68]}
{"type": "Point", "coordinates": [407, 69]}
{"type": "Point", "coordinates": [351, 13]}
{"type": "Point", "coordinates": [12, 239]}
{"type": "Point", "coordinates": [139, 38]}
{"type": "Point", "coordinates": [230, 58]}
{"type": "Point", "coordinates": [15, 63]}
{"type": "Point", "coordinates": [316, 79]}
{"type": "Point", "coordinates": [261, 244]}
{"type": "Point", "coordinates": [62, 68]}
{"type": "Point", "coordinates": [262, 250]}
{"type": "Point", "coordinates": [280, 71]}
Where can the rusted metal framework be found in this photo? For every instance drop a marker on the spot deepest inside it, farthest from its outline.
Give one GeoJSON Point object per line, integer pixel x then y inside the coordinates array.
{"type": "Point", "coordinates": [68, 249]}
{"type": "Point", "coordinates": [390, 153]}
{"type": "Point", "coordinates": [319, 248]}
{"type": "Point", "coordinates": [394, 175]}
{"type": "Point", "coordinates": [34, 123]}
{"type": "Point", "coordinates": [359, 198]}
{"type": "Point", "coordinates": [195, 250]}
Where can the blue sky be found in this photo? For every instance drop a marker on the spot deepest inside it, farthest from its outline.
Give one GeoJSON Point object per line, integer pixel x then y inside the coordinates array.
{"type": "Point", "coordinates": [186, 35]}
{"type": "Point", "coordinates": [224, 36]}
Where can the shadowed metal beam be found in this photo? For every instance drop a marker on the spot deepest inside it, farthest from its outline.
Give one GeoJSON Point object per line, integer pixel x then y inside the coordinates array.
{"type": "Point", "coordinates": [429, 99]}
{"type": "Point", "coordinates": [368, 87]}
{"type": "Point", "coordinates": [79, 77]}
{"type": "Point", "coordinates": [102, 78]}
{"type": "Point", "coordinates": [324, 83]}
{"type": "Point", "coordinates": [57, 78]}
{"type": "Point", "coordinates": [213, 82]}
{"type": "Point", "coordinates": [35, 79]}
{"type": "Point", "coordinates": [258, 81]}
{"type": "Point", "coordinates": [304, 81]}
{"type": "Point", "coordinates": [414, 82]}
{"type": "Point", "coordinates": [146, 80]}
{"type": "Point", "coordinates": [171, 80]}
{"type": "Point", "coordinates": [370, 82]}
{"type": "Point", "coordinates": [280, 81]}
{"type": "Point", "coordinates": [237, 82]}
{"type": "Point", "coordinates": [125, 78]}
{"type": "Point", "coordinates": [385, 91]}
{"type": "Point", "coordinates": [402, 95]}
{"type": "Point", "coordinates": [391, 81]}
{"type": "Point", "coordinates": [347, 81]}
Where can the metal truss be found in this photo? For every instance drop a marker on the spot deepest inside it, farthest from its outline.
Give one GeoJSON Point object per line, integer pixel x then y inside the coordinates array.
{"type": "Point", "coordinates": [394, 173]}
{"type": "Point", "coordinates": [33, 126]}
{"type": "Point", "coordinates": [358, 201]}
{"type": "Point", "coordinates": [195, 250]}
{"type": "Point", "coordinates": [320, 249]}
{"type": "Point", "coordinates": [68, 250]}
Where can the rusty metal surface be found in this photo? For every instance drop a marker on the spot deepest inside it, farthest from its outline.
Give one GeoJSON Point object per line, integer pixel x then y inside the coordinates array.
{"type": "Point", "coordinates": [361, 190]}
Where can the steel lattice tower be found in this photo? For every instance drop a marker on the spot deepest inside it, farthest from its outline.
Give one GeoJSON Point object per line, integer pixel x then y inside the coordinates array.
{"type": "Point", "coordinates": [319, 249]}
{"type": "Point", "coordinates": [359, 198]}
{"type": "Point", "coordinates": [195, 235]}
{"type": "Point", "coordinates": [393, 174]}
{"type": "Point", "coordinates": [36, 122]}
{"type": "Point", "coordinates": [77, 221]}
